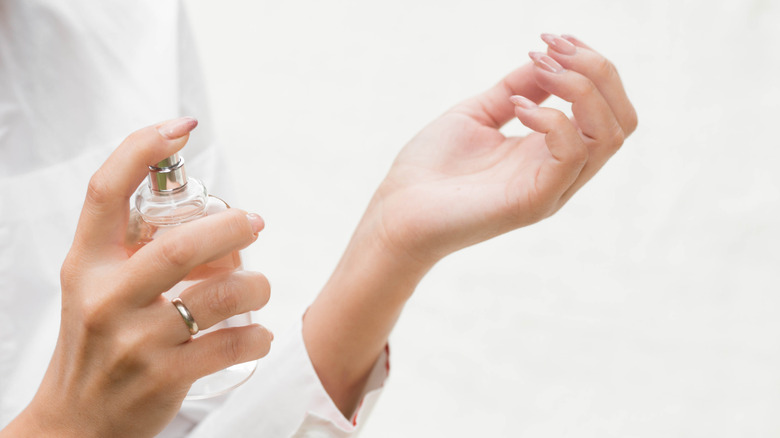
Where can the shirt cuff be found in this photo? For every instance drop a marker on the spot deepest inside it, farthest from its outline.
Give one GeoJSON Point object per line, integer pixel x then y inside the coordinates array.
{"type": "Point", "coordinates": [323, 407]}
{"type": "Point", "coordinates": [285, 398]}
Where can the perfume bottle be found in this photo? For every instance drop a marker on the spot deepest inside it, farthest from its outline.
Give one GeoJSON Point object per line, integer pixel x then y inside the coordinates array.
{"type": "Point", "coordinates": [166, 200]}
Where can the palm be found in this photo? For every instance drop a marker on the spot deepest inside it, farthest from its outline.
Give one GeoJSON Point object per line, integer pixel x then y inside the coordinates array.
{"type": "Point", "coordinates": [461, 178]}
{"type": "Point", "coordinates": [460, 181]}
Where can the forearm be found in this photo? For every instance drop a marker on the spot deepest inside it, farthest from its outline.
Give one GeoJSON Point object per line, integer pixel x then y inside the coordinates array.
{"type": "Point", "coordinates": [347, 326]}
{"type": "Point", "coordinates": [460, 181]}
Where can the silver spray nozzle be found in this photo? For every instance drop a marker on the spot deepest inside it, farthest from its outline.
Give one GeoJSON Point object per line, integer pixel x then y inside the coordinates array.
{"type": "Point", "coordinates": [168, 175]}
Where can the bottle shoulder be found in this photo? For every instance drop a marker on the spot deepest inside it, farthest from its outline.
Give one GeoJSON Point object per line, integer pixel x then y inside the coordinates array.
{"type": "Point", "coordinates": [172, 208]}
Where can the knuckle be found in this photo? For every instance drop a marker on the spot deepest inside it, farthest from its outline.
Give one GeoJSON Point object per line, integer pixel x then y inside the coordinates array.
{"type": "Point", "coordinates": [558, 118]}
{"type": "Point", "coordinates": [67, 280]}
{"type": "Point", "coordinates": [632, 121]}
{"type": "Point", "coordinates": [580, 154]}
{"type": "Point", "coordinates": [617, 137]}
{"type": "Point", "coordinates": [233, 348]}
{"type": "Point", "coordinates": [128, 357]}
{"type": "Point", "coordinates": [260, 343]}
{"type": "Point", "coordinates": [238, 224]}
{"type": "Point", "coordinates": [224, 300]}
{"type": "Point", "coordinates": [177, 252]}
{"type": "Point", "coordinates": [159, 384]}
{"type": "Point", "coordinates": [265, 290]}
{"type": "Point", "coordinates": [605, 69]}
{"type": "Point", "coordinates": [95, 314]}
{"type": "Point", "coordinates": [263, 348]}
{"type": "Point", "coordinates": [584, 87]}
{"type": "Point", "coordinates": [506, 86]}
{"type": "Point", "coordinates": [68, 272]}
{"type": "Point", "coordinates": [98, 191]}
{"type": "Point", "coordinates": [129, 345]}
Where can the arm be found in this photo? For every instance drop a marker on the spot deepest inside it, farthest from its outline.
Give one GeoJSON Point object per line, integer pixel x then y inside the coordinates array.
{"type": "Point", "coordinates": [460, 182]}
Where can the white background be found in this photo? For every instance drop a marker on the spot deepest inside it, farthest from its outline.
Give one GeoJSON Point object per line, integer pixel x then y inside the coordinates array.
{"type": "Point", "coordinates": [648, 307]}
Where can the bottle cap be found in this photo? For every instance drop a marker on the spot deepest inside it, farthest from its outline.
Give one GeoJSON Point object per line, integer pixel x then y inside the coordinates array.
{"type": "Point", "coordinates": [168, 175]}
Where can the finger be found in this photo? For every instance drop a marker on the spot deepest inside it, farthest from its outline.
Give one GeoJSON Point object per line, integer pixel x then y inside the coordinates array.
{"type": "Point", "coordinates": [574, 40]}
{"type": "Point", "coordinates": [568, 153]}
{"type": "Point", "coordinates": [162, 263]}
{"type": "Point", "coordinates": [215, 300]}
{"type": "Point", "coordinates": [601, 132]}
{"type": "Point", "coordinates": [104, 216]}
{"type": "Point", "coordinates": [591, 112]}
{"type": "Point", "coordinates": [574, 55]}
{"type": "Point", "coordinates": [218, 350]}
{"type": "Point", "coordinates": [493, 108]}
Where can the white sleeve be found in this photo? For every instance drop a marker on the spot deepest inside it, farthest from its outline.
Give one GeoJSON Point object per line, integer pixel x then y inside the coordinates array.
{"type": "Point", "coordinates": [283, 399]}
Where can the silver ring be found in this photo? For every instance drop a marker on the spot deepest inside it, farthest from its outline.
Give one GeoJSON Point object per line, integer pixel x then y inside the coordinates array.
{"type": "Point", "coordinates": [186, 315]}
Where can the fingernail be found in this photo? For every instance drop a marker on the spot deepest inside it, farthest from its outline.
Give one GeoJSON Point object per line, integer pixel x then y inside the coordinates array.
{"type": "Point", "coordinates": [256, 221]}
{"type": "Point", "coordinates": [271, 333]}
{"type": "Point", "coordinates": [177, 128]}
{"type": "Point", "coordinates": [559, 44]}
{"type": "Point", "coordinates": [545, 62]}
{"type": "Point", "coordinates": [522, 102]}
{"type": "Point", "coordinates": [572, 39]}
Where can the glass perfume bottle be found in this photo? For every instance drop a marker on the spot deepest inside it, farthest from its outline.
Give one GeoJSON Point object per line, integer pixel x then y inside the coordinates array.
{"type": "Point", "coordinates": [170, 199]}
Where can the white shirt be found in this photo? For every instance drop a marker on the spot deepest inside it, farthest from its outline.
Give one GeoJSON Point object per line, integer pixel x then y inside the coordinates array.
{"type": "Point", "coordinates": [76, 77]}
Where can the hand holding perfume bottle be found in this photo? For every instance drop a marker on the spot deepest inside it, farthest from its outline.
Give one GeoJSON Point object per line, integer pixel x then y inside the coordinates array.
{"type": "Point", "coordinates": [126, 356]}
{"type": "Point", "coordinates": [168, 200]}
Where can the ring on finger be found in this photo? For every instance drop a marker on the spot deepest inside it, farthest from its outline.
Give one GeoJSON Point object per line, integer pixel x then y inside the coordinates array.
{"type": "Point", "coordinates": [192, 326]}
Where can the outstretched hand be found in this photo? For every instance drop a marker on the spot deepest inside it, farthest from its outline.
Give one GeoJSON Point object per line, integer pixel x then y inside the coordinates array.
{"type": "Point", "coordinates": [458, 182]}
{"type": "Point", "coordinates": [461, 181]}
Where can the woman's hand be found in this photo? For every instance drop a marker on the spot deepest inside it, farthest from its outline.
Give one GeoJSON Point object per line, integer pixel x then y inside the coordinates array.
{"type": "Point", "coordinates": [460, 181]}
{"type": "Point", "coordinates": [125, 359]}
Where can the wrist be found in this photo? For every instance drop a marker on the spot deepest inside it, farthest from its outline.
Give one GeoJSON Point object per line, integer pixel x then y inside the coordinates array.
{"type": "Point", "coordinates": [404, 228]}
{"type": "Point", "coordinates": [346, 328]}
{"type": "Point", "coordinates": [29, 424]}
{"type": "Point", "coordinates": [419, 226]}
{"type": "Point", "coordinates": [383, 246]}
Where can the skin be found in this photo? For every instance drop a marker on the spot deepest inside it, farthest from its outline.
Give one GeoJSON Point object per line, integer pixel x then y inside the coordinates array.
{"type": "Point", "coordinates": [459, 182]}
{"type": "Point", "coordinates": [124, 359]}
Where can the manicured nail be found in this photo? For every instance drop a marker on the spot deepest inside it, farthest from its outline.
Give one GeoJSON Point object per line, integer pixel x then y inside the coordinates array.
{"type": "Point", "coordinates": [256, 221]}
{"type": "Point", "coordinates": [573, 39]}
{"type": "Point", "coordinates": [559, 44]}
{"type": "Point", "coordinates": [271, 333]}
{"type": "Point", "coordinates": [545, 62]}
{"type": "Point", "coordinates": [522, 102]}
{"type": "Point", "coordinates": [177, 128]}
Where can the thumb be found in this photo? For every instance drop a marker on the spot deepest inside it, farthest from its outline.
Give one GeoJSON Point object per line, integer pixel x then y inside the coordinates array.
{"type": "Point", "coordinates": [105, 207]}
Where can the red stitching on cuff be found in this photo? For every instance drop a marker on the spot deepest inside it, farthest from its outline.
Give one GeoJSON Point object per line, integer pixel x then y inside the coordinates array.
{"type": "Point", "coordinates": [354, 418]}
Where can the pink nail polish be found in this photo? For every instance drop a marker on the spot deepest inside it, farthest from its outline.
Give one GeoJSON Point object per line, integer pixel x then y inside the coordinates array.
{"type": "Point", "coordinates": [559, 44]}
{"type": "Point", "coordinates": [523, 102]}
{"type": "Point", "coordinates": [170, 199]}
{"type": "Point", "coordinates": [177, 128]}
{"type": "Point", "coordinates": [256, 221]}
{"type": "Point", "coordinates": [545, 62]}
{"type": "Point", "coordinates": [574, 40]}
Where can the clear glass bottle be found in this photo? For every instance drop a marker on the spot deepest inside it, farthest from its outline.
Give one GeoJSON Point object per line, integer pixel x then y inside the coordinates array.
{"type": "Point", "coordinates": [170, 199]}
